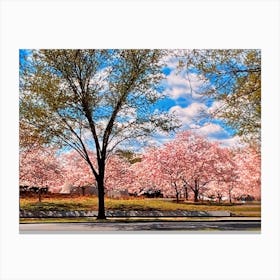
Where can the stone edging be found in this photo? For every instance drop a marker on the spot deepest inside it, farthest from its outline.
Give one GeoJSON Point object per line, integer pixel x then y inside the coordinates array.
{"type": "Point", "coordinates": [120, 213]}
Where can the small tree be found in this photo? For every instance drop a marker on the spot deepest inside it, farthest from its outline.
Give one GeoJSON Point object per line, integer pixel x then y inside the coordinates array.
{"type": "Point", "coordinates": [226, 173]}
{"type": "Point", "coordinates": [197, 161]}
{"type": "Point", "coordinates": [169, 159]}
{"type": "Point", "coordinates": [39, 168]}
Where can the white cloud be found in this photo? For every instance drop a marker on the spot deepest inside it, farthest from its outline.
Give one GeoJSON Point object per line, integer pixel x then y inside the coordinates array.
{"type": "Point", "coordinates": [184, 84]}
{"type": "Point", "coordinates": [210, 129]}
{"type": "Point", "coordinates": [190, 117]}
{"type": "Point", "coordinates": [216, 107]}
{"type": "Point", "coordinates": [214, 132]}
{"type": "Point", "coordinates": [234, 141]}
{"type": "Point", "coordinates": [190, 114]}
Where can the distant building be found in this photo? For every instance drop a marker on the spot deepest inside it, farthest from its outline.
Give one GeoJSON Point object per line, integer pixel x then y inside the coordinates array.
{"type": "Point", "coordinates": [117, 193]}
{"type": "Point", "coordinates": [83, 190]}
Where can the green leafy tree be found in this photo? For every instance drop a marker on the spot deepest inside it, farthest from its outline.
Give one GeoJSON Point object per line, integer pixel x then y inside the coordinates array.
{"type": "Point", "coordinates": [128, 155]}
{"type": "Point", "coordinates": [92, 100]}
{"type": "Point", "coordinates": [233, 77]}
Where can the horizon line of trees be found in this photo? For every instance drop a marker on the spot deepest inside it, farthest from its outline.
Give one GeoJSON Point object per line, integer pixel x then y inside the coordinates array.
{"type": "Point", "coordinates": [189, 167]}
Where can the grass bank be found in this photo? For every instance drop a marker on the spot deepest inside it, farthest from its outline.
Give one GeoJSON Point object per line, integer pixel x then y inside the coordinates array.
{"type": "Point", "coordinates": [88, 203]}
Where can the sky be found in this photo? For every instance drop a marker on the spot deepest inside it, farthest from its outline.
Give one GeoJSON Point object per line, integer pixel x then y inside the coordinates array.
{"type": "Point", "coordinates": [193, 109]}
{"type": "Point", "coordinates": [183, 98]}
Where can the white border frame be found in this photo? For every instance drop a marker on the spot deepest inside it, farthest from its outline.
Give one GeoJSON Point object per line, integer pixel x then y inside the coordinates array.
{"type": "Point", "coordinates": [135, 24]}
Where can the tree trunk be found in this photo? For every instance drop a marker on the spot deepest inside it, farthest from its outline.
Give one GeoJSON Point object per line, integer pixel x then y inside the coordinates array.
{"type": "Point", "coordinates": [229, 195]}
{"type": "Point", "coordinates": [177, 197]}
{"type": "Point", "coordinates": [101, 201]}
{"type": "Point", "coordinates": [186, 193]}
{"type": "Point", "coordinates": [177, 192]}
{"type": "Point", "coordinates": [196, 192]}
{"type": "Point", "coordinates": [40, 195]}
{"type": "Point", "coordinates": [83, 191]}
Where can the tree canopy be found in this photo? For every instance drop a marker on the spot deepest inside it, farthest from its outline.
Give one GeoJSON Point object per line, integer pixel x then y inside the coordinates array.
{"type": "Point", "coordinates": [232, 77]}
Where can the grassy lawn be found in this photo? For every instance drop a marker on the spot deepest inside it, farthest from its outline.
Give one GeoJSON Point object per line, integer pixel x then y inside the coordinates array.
{"type": "Point", "coordinates": [90, 203]}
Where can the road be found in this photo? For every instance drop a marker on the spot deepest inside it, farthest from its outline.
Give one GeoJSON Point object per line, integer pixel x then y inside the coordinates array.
{"type": "Point", "coordinates": [228, 225]}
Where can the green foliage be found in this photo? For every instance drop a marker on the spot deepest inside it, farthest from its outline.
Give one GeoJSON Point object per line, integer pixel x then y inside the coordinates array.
{"type": "Point", "coordinates": [235, 81]}
{"type": "Point", "coordinates": [130, 156]}
{"type": "Point", "coordinates": [108, 94]}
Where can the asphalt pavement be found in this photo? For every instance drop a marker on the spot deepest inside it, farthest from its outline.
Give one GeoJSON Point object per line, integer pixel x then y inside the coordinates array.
{"type": "Point", "coordinates": [253, 225]}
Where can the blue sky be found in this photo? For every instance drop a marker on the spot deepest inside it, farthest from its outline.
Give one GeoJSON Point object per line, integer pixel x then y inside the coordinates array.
{"type": "Point", "coordinates": [184, 99]}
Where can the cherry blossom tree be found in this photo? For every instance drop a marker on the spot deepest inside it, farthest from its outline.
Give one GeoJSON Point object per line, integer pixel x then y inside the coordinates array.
{"type": "Point", "coordinates": [197, 161]}
{"type": "Point", "coordinates": [118, 174]}
{"type": "Point", "coordinates": [146, 174]}
{"type": "Point", "coordinates": [237, 174]}
{"type": "Point", "coordinates": [40, 168]}
{"type": "Point", "coordinates": [226, 174]}
{"type": "Point", "coordinates": [170, 158]}
{"type": "Point", "coordinates": [77, 173]}
{"type": "Point", "coordinates": [186, 163]}
{"type": "Point", "coordinates": [248, 161]}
